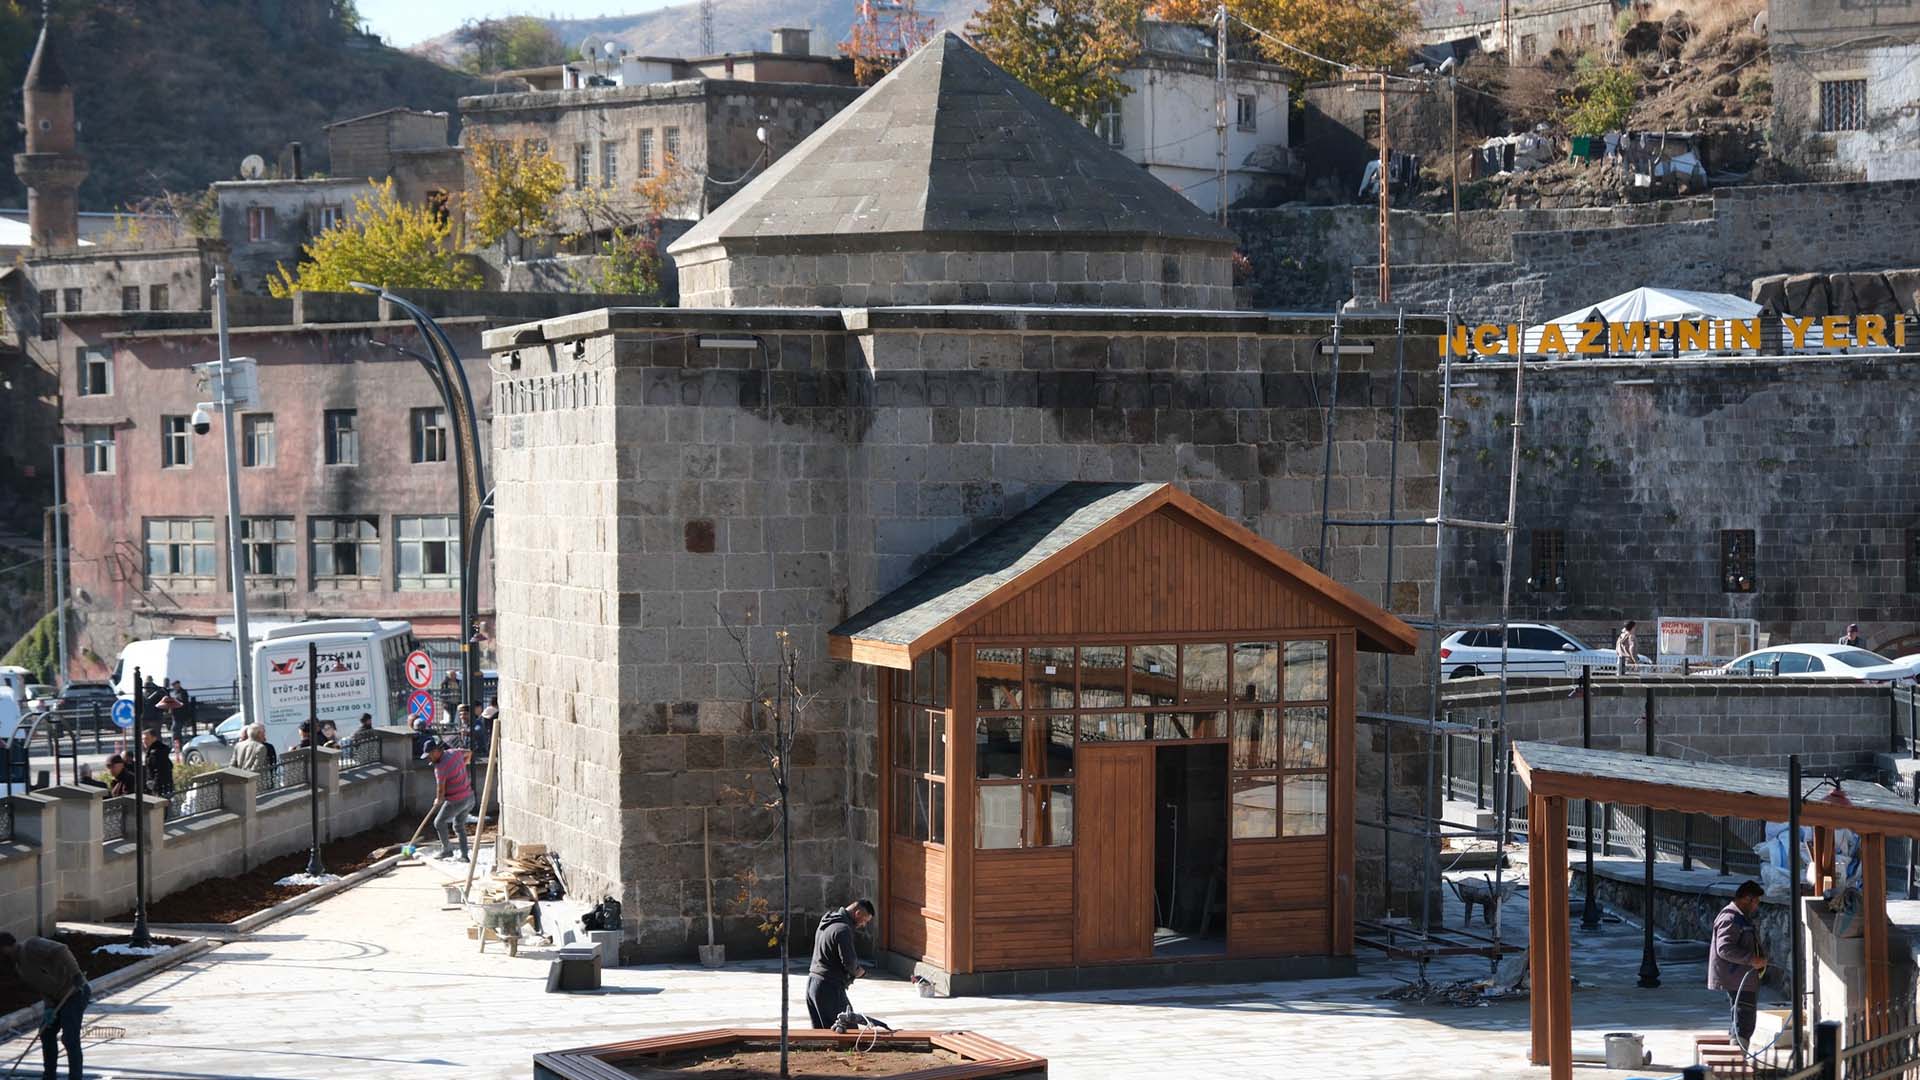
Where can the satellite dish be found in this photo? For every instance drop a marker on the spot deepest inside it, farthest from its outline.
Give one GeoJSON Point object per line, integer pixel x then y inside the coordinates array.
{"type": "Point", "coordinates": [590, 51]}
{"type": "Point", "coordinates": [611, 48]}
{"type": "Point", "coordinates": [253, 167]}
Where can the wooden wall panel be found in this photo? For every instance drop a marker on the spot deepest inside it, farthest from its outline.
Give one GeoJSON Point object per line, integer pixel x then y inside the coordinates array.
{"type": "Point", "coordinates": [1022, 909]}
{"type": "Point", "coordinates": [1277, 876]}
{"type": "Point", "coordinates": [1279, 933]}
{"type": "Point", "coordinates": [1113, 861]}
{"type": "Point", "coordinates": [1165, 574]}
{"type": "Point", "coordinates": [916, 894]}
{"type": "Point", "coordinates": [1023, 944]}
{"type": "Point", "coordinates": [917, 934]}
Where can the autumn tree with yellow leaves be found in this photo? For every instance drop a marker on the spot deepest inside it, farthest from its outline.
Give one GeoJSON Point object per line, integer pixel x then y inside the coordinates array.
{"type": "Point", "coordinates": [1070, 52]}
{"type": "Point", "coordinates": [383, 241]}
{"type": "Point", "coordinates": [516, 189]}
{"type": "Point", "coordinates": [1364, 33]}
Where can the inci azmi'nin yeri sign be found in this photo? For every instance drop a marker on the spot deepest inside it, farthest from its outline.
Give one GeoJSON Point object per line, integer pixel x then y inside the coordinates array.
{"type": "Point", "coordinates": [1681, 335]}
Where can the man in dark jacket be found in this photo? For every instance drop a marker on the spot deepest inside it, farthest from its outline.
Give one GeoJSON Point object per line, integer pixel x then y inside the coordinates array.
{"type": "Point", "coordinates": [48, 968]}
{"type": "Point", "coordinates": [1737, 961]}
{"type": "Point", "coordinates": [836, 963]}
{"type": "Point", "coordinates": [159, 765]}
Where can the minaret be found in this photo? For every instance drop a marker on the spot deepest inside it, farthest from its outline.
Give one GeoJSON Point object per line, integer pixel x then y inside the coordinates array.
{"type": "Point", "coordinates": [52, 167]}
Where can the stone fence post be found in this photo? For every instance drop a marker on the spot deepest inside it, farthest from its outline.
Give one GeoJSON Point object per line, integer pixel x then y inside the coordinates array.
{"type": "Point", "coordinates": [80, 856]}
{"type": "Point", "coordinates": [36, 823]}
{"type": "Point", "coordinates": [326, 774]}
{"type": "Point", "coordinates": [237, 797]}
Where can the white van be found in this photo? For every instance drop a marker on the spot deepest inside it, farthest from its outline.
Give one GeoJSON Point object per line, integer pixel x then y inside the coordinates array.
{"type": "Point", "coordinates": [206, 666]}
{"type": "Point", "coordinates": [360, 670]}
{"type": "Point", "coordinates": [15, 679]}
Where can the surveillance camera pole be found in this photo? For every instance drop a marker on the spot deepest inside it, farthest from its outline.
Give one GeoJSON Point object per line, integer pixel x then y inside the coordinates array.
{"type": "Point", "coordinates": [242, 642]}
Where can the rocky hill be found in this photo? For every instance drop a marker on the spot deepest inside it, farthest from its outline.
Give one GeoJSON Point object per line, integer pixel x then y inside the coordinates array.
{"type": "Point", "coordinates": [173, 93]}
{"type": "Point", "coordinates": [738, 26]}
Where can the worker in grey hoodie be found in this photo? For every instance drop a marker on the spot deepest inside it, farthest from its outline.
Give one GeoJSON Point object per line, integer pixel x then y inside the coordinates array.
{"type": "Point", "coordinates": [836, 963]}
{"type": "Point", "coordinates": [1738, 959]}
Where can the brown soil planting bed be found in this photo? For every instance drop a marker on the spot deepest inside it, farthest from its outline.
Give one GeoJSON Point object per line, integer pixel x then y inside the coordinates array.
{"type": "Point", "coordinates": [229, 899]}
{"type": "Point", "coordinates": [15, 995]}
{"type": "Point", "coordinates": [807, 1063]}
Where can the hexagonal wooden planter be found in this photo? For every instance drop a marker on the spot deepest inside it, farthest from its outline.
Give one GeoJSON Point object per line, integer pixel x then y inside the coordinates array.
{"type": "Point", "coordinates": [899, 1055]}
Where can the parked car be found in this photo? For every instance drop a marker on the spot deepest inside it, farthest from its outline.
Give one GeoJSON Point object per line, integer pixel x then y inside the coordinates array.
{"type": "Point", "coordinates": [14, 680]}
{"type": "Point", "coordinates": [41, 697]}
{"type": "Point", "coordinates": [82, 697]}
{"type": "Point", "coordinates": [1532, 649]}
{"type": "Point", "coordinates": [1821, 661]}
{"type": "Point", "coordinates": [216, 747]}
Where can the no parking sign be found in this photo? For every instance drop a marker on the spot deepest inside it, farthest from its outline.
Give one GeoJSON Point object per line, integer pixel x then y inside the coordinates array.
{"type": "Point", "coordinates": [420, 707]}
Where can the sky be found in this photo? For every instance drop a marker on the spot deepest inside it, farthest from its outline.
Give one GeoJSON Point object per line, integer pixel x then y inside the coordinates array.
{"type": "Point", "coordinates": [408, 22]}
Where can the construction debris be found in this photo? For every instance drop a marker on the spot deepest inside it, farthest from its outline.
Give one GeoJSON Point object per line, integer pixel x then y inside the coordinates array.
{"type": "Point", "coordinates": [532, 874]}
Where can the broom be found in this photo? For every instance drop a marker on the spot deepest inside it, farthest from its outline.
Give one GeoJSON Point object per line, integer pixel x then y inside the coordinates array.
{"type": "Point", "coordinates": [407, 848]}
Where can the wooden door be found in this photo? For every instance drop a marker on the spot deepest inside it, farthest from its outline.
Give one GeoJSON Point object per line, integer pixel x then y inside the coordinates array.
{"type": "Point", "coordinates": [1113, 857]}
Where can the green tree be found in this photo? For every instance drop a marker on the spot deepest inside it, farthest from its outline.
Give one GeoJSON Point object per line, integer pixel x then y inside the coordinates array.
{"type": "Point", "coordinates": [385, 242]}
{"type": "Point", "coordinates": [509, 44]}
{"type": "Point", "coordinates": [38, 650]}
{"type": "Point", "coordinates": [1069, 51]}
{"type": "Point", "coordinates": [517, 186]}
{"type": "Point", "coordinates": [1602, 100]}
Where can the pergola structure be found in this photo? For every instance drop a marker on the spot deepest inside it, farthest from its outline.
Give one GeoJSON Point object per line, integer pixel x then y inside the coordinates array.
{"type": "Point", "coordinates": [1554, 774]}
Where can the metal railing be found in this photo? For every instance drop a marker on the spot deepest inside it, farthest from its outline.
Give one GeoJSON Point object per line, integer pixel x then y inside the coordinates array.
{"type": "Point", "coordinates": [113, 818]}
{"type": "Point", "coordinates": [6, 819]}
{"type": "Point", "coordinates": [287, 772]}
{"type": "Point", "coordinates": [359, 751]}
{"type": "Point", "coordinates": [201, 795]}
{"type": "Point", "coordinates": [1881, 1045]}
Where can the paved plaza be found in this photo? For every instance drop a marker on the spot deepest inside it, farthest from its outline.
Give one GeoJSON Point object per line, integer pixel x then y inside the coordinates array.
{"type": "Point", "coordinates": [382, 981]}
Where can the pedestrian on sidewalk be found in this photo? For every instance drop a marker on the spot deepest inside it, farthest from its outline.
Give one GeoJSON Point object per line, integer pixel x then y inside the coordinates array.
{"type": "Point", "coordinates": [48, 968]}
{"type": "Point", "coordinates": [329, 735]}
{"type": "Point", "coordinates": [365, 730]}
{"type": "Point", "coordinates": [1851, 637]}
{"type": "Point", "coordinates": [1738, 961]}
{"type": "Point", "coordinates": [179, 714]}
{"type": "Point", "coordinates": [159, 763]}
{"type": "Point", "coordinates": [453, 789]}
{"type": "Point", "coordinates": [1626, 648]}
{"type": "Point", "coordinates": [119, 780]}
{"type": "Point", "coordinates": [252, 753]}
{"type": "Point", "coordinates": [836, 963]}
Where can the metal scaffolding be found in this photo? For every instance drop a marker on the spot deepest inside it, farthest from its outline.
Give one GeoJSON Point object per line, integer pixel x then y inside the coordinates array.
{"type": "Point", "coordinates": [1420, 939]}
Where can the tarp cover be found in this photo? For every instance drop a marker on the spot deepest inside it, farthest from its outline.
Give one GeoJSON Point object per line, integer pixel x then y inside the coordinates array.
{"type": "Point", "coordinates": [1648, 305]}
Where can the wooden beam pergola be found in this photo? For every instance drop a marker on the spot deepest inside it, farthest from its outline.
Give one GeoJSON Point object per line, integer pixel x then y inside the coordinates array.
{"type": "Point", "coordinates": [1554, 774]}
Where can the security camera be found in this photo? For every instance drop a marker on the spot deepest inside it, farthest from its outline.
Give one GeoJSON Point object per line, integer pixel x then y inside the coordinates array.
{"type": "Point", "coordinates": [1446, 66]}
{"type": "Point", "coordinates": [202, 421]}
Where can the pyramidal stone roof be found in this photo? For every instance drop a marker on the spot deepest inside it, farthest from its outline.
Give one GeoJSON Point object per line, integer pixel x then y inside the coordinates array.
{"type": "Point", "coordinates": [46, 72]}
{"type": "Point", "coordinates": [948, 143]}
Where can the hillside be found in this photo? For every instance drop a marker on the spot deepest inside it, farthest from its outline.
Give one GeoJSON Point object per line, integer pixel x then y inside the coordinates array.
{"type": "Point", "coordinates": [738, 26]}
{"type": "Point", "coordinates": [173, 93]}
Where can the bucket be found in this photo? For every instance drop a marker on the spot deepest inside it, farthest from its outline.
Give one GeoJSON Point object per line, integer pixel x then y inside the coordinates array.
{"type": "Point", "coordinates": [1625, 1050]}
{"type": "Point", "coordinates": [713, 956]}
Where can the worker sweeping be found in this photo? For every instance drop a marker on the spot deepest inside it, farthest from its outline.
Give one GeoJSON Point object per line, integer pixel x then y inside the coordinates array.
{"type": "Point", "coordinates": [49, 969]}
{"type": "Point", "coordinates": [836, 963]}
{"type": "Point", "coordinates": [1738, 961]}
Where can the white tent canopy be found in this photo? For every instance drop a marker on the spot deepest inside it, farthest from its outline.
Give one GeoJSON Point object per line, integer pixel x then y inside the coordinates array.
{"type": "Point", "coordinates": [1648, 305]}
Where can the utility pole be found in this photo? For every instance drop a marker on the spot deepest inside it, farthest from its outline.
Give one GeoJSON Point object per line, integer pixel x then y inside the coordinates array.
{"type": "Point", "coordinates": [1220, 105]}
{"type": "Point", "coordinates": [1453, 154]}
{"type": "Point", "coordinates": [141, 937]}
{"type": "Point", "coordinates": [1506, 28]}
{"type": "Point", "coordinates": [1386, 204]}
{"type": "Point", "coordinates": [236, 567]}
{"type": "Point", "coordinates": [315, 867]}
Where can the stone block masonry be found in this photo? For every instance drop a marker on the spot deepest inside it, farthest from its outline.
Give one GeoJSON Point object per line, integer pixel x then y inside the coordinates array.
{"type": "Point", "coordinates": [658, 500]}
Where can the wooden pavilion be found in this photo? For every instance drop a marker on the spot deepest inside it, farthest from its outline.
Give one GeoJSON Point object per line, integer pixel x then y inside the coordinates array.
{"type": "Point", "coordinates": [1554, 774]}
{"type": "Point", "coordinates": [1118, 729]}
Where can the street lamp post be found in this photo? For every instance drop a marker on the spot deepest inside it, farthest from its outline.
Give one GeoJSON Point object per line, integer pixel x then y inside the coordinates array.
{"type": "Point", "coordinates": [227, 376]}
{"type": "Point", "coordinates": [315, 868]}
{"type": "Point", "coordinates": [141, 938]}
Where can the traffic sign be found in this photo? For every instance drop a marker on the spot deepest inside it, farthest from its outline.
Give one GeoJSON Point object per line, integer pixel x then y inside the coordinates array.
{"type": "Point", "coordinates": [420, 706]}
{"type": "Point", "coordinates": [419, 669]}
{"type": "Point", "coordinates": [123, 713]}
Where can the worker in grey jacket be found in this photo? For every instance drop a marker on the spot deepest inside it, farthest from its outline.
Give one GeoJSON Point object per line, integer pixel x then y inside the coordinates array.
{"type": "Point", "coordinates": [836, 963]}
{"type": "Point", "coordinates": [1737, 960]}
{"type": "Point", "coordinates": [49, 969]}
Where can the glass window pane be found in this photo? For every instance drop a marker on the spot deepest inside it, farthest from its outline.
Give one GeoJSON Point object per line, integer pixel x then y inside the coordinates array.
{"type": "Point", "coordinates": [936, 721]}
{"type": "Point", "coordinates": [1053, 742]}
{"type": "Point", "coordinates": [942, 663]}
{"type": "Point", "coordinates": [1153, 675]}
{"type": "Point", "coordinates": [903, 815]}
{"type": "Point", "coordinates": [1253, 807]}
{"type": "Point", "coordinates": [997, 816]}
{"type": "Point", "coordinates": [1103, 677]}
{"type": "Point", "coordinates": [996, 678]}
{"type": "Point", "coordinates": [923, 679]}
{"type": "Point", "coordinates": [156, 560]}
{"type": "Point", "coordinates": [1188, 725]}
{"type": "Point", "coordinates": [203, 560]}
{"type": "Point", "coordinates": [1306, 671]}
{"type": "Point", "coordinates": [1255, 740]}
{"type": "Point", "coordinates": [922, 802]}
{"type": "Point", "coordinates": [1306, 813]}
{"type": "Point", "coordinates": [902, 735]}
{"type": "Point", "coordinates": [1050, 678]}
{"type": "Point", "coordinates": [1306, 739]}
{"type": "Point", "coordinates": [937, 804]}
{"type": "Point", "coordinates": [410, 559]}
{"type": "Point", "coordinates": [917, 739]}
{"type": "Point", "coordinates": [997, 747]}
{"type": "Point", "coordinates": [1203, 672]}
{"type": "Point", "coordinates": [203, 528]}
{"type": "Point", "coordinates": [1113, 727]}
{"type": "Point", "coordinates": [1049, 814]}
{"type": "Point", "coordinates": [1256, 671]}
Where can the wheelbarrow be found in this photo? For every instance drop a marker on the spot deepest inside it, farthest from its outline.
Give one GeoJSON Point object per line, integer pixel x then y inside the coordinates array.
{"type": "Point", "coordinates": [503, 919]}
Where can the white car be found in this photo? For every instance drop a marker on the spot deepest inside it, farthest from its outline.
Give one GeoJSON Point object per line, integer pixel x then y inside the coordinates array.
{"type": "Point", "coordinates": [1532, 649]}
{"type": "Point", "coordinates": [1822, 662]}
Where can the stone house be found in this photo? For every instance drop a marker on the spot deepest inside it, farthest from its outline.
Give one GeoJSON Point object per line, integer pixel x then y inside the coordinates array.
{"type": "Point", "coordinates": [1526, 30]}
{"type": "Point", "coordinates": [1844, 83]}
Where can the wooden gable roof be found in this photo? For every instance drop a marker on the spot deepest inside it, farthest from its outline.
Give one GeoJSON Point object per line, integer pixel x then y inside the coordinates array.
{"type": "Point", "coordinates": [1111, 559]}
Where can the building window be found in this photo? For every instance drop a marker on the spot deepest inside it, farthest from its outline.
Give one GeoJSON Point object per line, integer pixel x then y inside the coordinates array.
{"type": "Point", "coordinates": [1843, 105]}
{"type": "Point", "coordinates": [1527, 44]}
{"type": "Point", "coordinates": [429, 553]}
{"type": "Point", "coordinates": [344, 550]}
{"type": "Point", "coordinates": [1587, 32]}
{"type": "Point", "coordinates": [70, 300]}
{"type": "Point", "coordinates": [1106, 124]}
{"type": "Point", "coordinates": [919, 752]}
{"type": "Point", "coordinates": [429, 435]}
{"type": "Point", "coordinates": [257, 441]}
{"type": "Point", "coordinates": [259, 223]}
{"type": "Point", "coordinates": [609, 163]}
{"type": "Point", "coordinates": [670, 142]}
{"type": "Point", "coordinates": [1246, 112]}
{"type": "Point", "coordinates": [267, 545]}
{"type": "Point", "coordinates": [176, 443]}
{"type": "Point", "coordinates": [1370, 125]}
{"type": "Point", "coordinates": [538, 147]}
{"type": "Point", "coordinates": [49, 307]}
{"type": "Point", "coordinates": [157, 298]}
{"type": "Point", "coordinates": [326, 218]}
{"type": "Point", "coordinates": [343, 437]}
{"type": "Point", "coordinates": [582, 164]}
{"type": "Point", "coordinates": [440, 205]}
{"type": "Point", "coordinates": [645, 166]}
{"type": "Point", "coordinates": [1736, 560]}
{"type": "Point", "coordinates": [96, 372]}
{"type": "Point", "coordinates": [97, 456]}
{"type": "Point", "coordinates": [129, 298]}
{"type": "Point", "coordinates": [1549, 561]}
{"type": "Point", "coordinates": [180, 548]}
